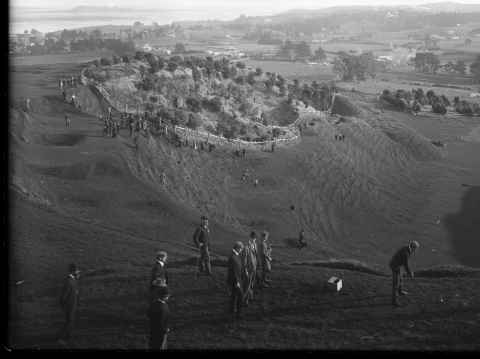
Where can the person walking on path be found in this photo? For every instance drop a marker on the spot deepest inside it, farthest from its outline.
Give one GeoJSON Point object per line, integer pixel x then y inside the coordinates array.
{"type": "Point", "coordinates": [234, 281]}
{"type": "Point", "coordinates": [399, 260]}
{"type": "Point", "coordinates": [67, 121]}
{"type": "Point", "coordinates": [159, 318]}
{"type": "Point", "coordinates": [69, 303]}
{"type": "Point", "coordinates": [201, 238]}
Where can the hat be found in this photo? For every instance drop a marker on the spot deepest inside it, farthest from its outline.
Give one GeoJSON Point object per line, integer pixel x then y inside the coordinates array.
{"type": "Point", "coordinates": [253, 234]}
{"type": "Point", "coordinates": [161, 254]}
{"type": "Point", "coordinates": [72, 268]}
{"type": "Point", "coordinates": [414, 245]}
{"type": "Point", "coordinates": [265, 233]}
{"type": "Point", "coordinates": [238, 245]}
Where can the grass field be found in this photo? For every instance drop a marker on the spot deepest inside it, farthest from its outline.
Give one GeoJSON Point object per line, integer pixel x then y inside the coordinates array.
{"type": "Point", "coordinates": [99, 201]}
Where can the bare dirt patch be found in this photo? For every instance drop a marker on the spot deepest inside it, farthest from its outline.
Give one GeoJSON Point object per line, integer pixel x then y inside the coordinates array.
{"type": "Point", "coordinates": [64, 139]}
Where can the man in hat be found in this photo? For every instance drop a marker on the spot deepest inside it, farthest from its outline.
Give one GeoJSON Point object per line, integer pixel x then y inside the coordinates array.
{"type": "Point", "coordinates": [250, 259]}
{"type": "Point", "coordinates": [159, 274]}
{"type": "Point", "coordinates": [159, 315]}
{"type": "Point", "coordinates": [234, 280]}
{"type": "Point", "coordinates": [69, 303]}
{"type": "Point", "coordinates": [399, 260]}
{"type": "Point", "coordinates": [265, 260]}
{"type": "Point", "coordinates": [201, 237]}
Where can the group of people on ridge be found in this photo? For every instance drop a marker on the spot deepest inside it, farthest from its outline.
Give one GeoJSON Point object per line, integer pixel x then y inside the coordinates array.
{"type": "Point", "coordinates": [247, 269]}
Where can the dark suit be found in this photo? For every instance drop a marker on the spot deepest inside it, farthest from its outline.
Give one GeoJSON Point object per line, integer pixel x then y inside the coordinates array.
{"type": "Point", "coordinates": [234, 282]}
{"type": "Point", "coordinates": [159, 272]}
{"type": "Point", "coordinates": [159, 316]}
{"type": "Point", "coordinates": [399, 260]}
{"type": "Point", "coordinates": [69, 304]}
{"type": "Point", "coordinates": [201, 238]}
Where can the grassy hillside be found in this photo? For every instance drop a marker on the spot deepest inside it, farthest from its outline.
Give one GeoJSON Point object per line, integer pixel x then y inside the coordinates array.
{"type": "Point", "coordinates": [100, 202]}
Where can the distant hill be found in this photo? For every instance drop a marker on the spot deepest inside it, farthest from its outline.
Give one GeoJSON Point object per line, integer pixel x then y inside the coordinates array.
{"type": "Point", "coordinates": [450, 7]}
{"type": "Point", "coordinates": [96, 9]}
{"type": "Point", "coordinates": [358, 9]}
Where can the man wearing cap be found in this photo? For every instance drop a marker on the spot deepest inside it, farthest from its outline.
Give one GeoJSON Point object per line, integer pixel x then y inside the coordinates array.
{"type": "Point", "coordinates": [234, 280]}
{"type": "Point", "coordinates": [159, 315]}
{"type": "Point", "coordinates": [201, 237]}
{"type": "Point", "coordinates": [69, 303]}
{"type": "Point", "coordinates": [159, 275]}
{"type": "Point", "coordinates": [399, 260]}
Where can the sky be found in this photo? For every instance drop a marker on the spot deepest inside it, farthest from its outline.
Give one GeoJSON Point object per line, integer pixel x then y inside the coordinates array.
{"type": "Point", "coordinates": [279, 5]}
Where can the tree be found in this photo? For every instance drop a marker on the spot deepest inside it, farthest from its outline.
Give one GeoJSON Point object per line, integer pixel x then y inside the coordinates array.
{"type": "Point", "coordinates": [172, 66]}
{"type": "Point", "coordinates": [142, 71]}
{"type": "Point", "coordinates": [213, 105]}
{"type": "Point", "coordinates": [251, 78]}
{"type": "Point", "coordinates": [426, 62]}
{"type": "Point", "coordinates": [179, 48]}
{"type": "Point", "coordinates": [241, 65]}
{"type": "Point", "coordinates": [475, 69]}
{"type": "Point", "coordinates": [115, 59]}
{"type": "Point", "coordinates": [194, 104]}
{"type": "Point", "coordinates": [140, 55]}
{"type": "Point", "coordinates": [319, 54]}
{"type": "Point", "coordinates": [460, 67]}
{"type": "Point", "coordinates": [194, 121]}
{"type": "Point", "coordinates": [105, 62]}
{"type": "Point", "coordinates": [303, 50]}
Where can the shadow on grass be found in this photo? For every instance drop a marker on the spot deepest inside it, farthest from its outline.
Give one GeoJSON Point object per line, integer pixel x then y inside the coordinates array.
{"type": "Point", "coordinates": [464, 229]}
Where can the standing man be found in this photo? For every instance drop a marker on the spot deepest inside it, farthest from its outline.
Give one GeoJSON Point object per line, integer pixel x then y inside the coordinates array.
{"type": "Point", "coordinates": [159, 274]}
{"type": "Point", "coordinates": [234, 281]}
{"type": "Point", "coordinates": [159, 316]}
{"type": "Point", "coordinates": [201, 237]}
{"type": "Point", "coordinates": [250, 266]}
{"type": "Point", "coordinates": [399, 260]}
{"type": "Point", "coordinates": [67, 121]}
{"type": "Point", "coordinates": [69, 303]}
{"type": "Point", "coordinates": [302, 242]}
{"type": "Point", "coordinates": [265, 255]}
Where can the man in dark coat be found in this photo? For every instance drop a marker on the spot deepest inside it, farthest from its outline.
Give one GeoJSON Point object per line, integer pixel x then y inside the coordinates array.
{"type": "Point", "coordinates": [159, 274]}
{"type": "Point", "coordinates": [234, 280]}
{"type": "Point", "coordinates": [201, 237]}
{"type": "Point", "coordinates": [159, 316]}
{"type": "Point", "coordinates": [69, 303]}
{"type": "Point", "coordinates": [265, 260]}
{"type": "Point", "coordinates": [399, 260]}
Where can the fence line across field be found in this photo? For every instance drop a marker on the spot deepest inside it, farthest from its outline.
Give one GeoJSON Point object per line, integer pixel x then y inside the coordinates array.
{"type": "Point", "coordinates": [200, 136]}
